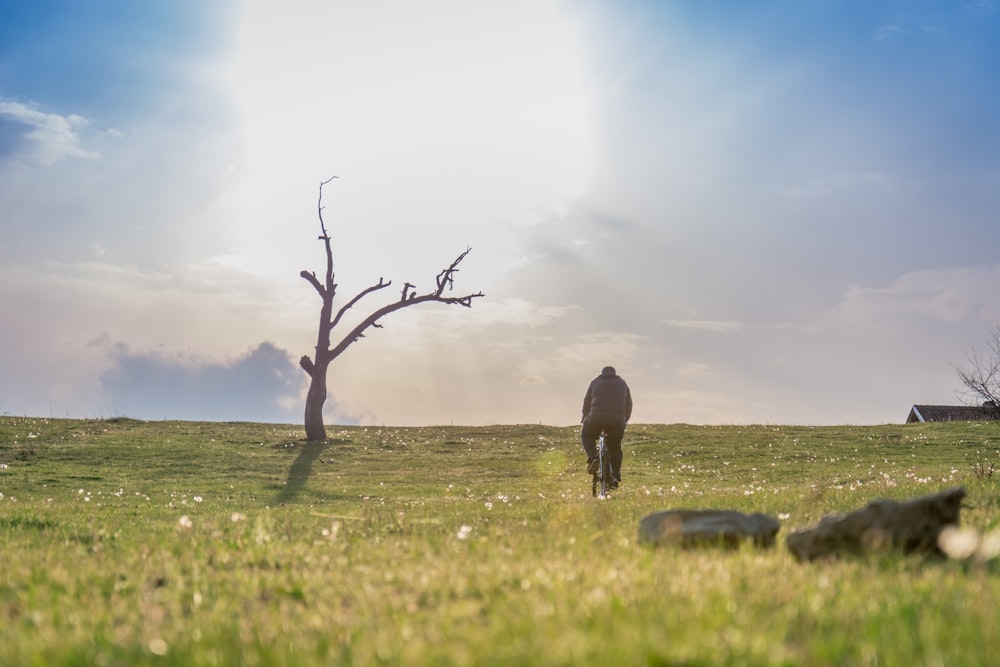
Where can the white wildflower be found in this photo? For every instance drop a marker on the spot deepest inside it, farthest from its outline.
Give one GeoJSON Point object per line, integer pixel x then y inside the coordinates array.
{"type": "Point", "coordinates": [331, 532]}
{"type": "Point", "coordinates": [968, 543]}
{"type": "Point", "coordinates": [464, 532]}
{"type": "Point", "coordinates": [157, 646]}
{"type": "Point", "coordinates": [989, 546]}
{"type": "Point", "coordinates": [958, 543]}
{"type": "Point", "coordinates": [185, 522]}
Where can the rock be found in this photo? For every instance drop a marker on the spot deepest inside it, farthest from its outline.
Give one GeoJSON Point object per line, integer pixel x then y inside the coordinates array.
{"type": "Point", "coordinates": [911, 526]}
{"type": "Point", "coordinates": [726, 528]}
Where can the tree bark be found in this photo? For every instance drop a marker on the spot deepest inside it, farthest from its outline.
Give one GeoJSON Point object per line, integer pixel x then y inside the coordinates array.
{"type": "Point", "coordinates": [315, 399]}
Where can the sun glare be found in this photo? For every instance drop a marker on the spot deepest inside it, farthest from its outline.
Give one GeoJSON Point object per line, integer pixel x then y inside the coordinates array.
{"type": "Point", "coordinates": [445, 117]}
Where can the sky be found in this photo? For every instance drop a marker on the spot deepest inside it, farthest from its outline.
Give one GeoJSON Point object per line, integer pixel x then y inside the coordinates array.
{"type": "Point", "coordinates": [778, 212]}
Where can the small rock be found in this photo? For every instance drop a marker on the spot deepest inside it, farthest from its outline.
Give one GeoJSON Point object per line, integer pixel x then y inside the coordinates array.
{"type": "Point", "coordinates": [726, 528]}
{"type": "Point", "coordinates": [911, 526]}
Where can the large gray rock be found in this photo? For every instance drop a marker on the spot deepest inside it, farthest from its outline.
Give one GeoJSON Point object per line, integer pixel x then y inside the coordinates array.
{"type": "Point", "coordinates": [726, 528]}
{"type": "Point", "coordinates": [911, 526]}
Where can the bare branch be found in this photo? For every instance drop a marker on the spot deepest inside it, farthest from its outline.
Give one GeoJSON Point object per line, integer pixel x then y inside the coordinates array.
{"type": "Point", "coordinates": [320, 207]}
{"type": "Point", "coordinates": [314, 281]}
{"type": "Point", "coordinates": [382, 283]}
{"type": "Point", "coordinates": [444, 279]}
{"type": "Point", "coordinates": [447, 277]}
{"type": "Point", "coordinates": [331, 288]}
{"type": "Point", "coordinates": [981, 379]}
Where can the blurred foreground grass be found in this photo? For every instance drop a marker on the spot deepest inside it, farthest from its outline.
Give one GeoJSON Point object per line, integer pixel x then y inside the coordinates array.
{"type": "Point", "coordinates": [179, 543]}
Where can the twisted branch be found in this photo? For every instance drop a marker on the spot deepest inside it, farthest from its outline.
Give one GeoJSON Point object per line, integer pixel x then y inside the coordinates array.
{"type": "Point", "coordinates": [409, 298]}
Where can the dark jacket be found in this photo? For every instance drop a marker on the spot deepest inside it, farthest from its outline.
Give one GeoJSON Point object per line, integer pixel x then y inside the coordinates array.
{"type": "Point", "coordinates": [608, 397]}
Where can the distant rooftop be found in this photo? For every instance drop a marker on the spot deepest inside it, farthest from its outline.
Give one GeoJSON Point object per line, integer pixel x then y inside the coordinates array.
{"type": "Point", "coordinates": [952, 413]}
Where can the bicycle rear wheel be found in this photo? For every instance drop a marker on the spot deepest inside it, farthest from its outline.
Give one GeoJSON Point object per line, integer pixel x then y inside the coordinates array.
{"type": "Point", "coordinates": [603, 481]}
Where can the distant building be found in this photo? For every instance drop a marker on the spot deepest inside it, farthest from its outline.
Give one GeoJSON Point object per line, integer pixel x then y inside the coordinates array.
{"type": "Point", "coordinates": [953, 413]}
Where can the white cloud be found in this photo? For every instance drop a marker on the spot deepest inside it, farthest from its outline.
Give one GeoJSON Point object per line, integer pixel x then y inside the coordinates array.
{"type": "Point", "coordinates": [885, 32]}
{"type": "Point", "coordinates": [844, 184]}
{"type": "Point", "coordinates": [583, 354]}
{"type": "Point", "coordinates": [982, 7]}
{"type": "Point", "coordinates": [814, 189]}
{"type": "Point", "coordinates": [493, 315]}
{"type": "Point", "coordinates": [51, 137]}
{"type": "Point", "coordinates": [950, 295]}
{"type": "Point", "coordinates": [697, 371]}
{"type": "Point", "coordinates": [719, 326]}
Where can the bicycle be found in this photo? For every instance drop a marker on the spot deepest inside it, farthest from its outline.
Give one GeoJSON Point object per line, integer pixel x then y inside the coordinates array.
{"type": "Point", "coordinates": [602, 478]}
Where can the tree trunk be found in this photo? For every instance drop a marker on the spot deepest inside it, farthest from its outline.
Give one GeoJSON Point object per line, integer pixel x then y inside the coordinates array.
{"type": "Point", "coordinates": [315, 430]}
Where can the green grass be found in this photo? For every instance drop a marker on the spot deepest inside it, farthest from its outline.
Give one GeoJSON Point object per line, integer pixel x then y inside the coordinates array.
{"type": "Point", "coordinates": [177, 543]}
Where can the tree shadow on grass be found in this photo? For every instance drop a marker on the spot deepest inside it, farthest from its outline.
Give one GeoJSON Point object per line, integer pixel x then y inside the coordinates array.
{"type": "Point", "coordinates": [301, 468]}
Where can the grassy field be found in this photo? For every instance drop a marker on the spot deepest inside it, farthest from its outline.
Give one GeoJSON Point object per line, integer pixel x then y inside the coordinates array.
{"type": "Point", "coordinates": [178, 543]}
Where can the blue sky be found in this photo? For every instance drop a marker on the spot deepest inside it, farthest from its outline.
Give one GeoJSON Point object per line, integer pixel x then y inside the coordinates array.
{"type": "Point", "coordinates": [768, 212]}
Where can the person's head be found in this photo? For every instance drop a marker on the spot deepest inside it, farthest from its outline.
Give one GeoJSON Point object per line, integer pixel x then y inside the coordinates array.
{"type": "Point", "coordinates": [608, 370]}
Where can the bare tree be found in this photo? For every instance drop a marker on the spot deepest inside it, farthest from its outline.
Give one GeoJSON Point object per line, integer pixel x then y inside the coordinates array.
{"type": "Point", "coordinates": [327, 289]}
{"type": "Point", "coordinates": [981, 379]}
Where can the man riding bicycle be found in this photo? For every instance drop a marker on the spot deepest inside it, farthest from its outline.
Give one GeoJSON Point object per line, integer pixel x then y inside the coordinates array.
{"type": "Point", "coordinates": [607, 407]}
